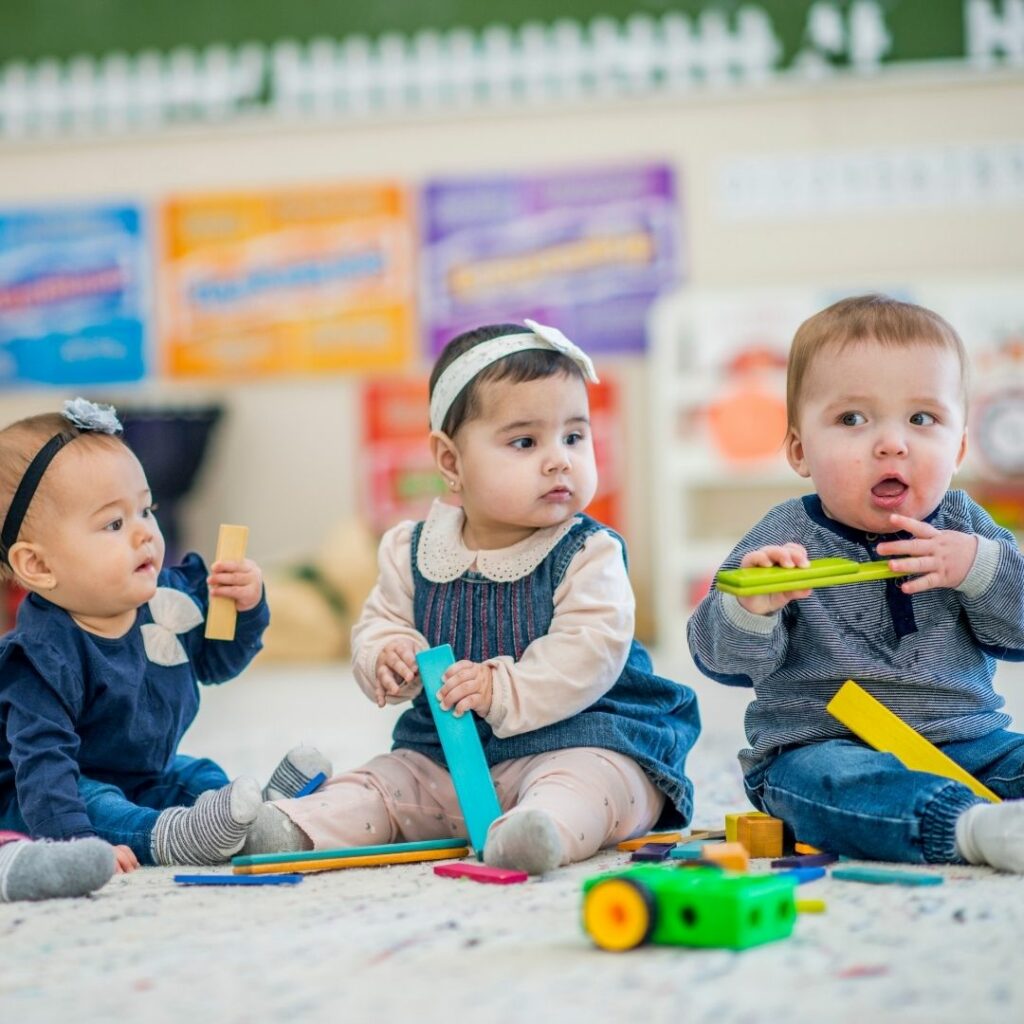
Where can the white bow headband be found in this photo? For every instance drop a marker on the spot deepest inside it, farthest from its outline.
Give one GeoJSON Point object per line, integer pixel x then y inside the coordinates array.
{"type": "Point", "coordinates": [463, 369]}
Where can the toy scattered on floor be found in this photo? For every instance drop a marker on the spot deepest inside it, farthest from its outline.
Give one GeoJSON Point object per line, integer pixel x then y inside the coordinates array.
{"type": "Point", "coordinates": [238, 879]}
{"type": "Point", "coordinates": [732, 823]}
{"type": "Point", "coordinates": [885, 876]}
{"type": "Point", "coordinates": [732, 856]}
{"type": "Point", "coordinates": [653, 852]}
{"type": "Point", "coordinates": [822, 572]}
{"type": "Point", "coordinates": [481, 873]}
{"type": "Point", "coordinates": [810, 860]}
{"type": "Point", "coordinates": [222, 613]}
{"type": "Point", "coordinates": [699, 907]}
{"type": "Point", "coordinates": [463, 751]}
{"type": "Point", "coordinates": [802, 875]}
{"type": "Point", "coordinates": [806, 848]}
{"type": "Point", "coordinates": [810, 906]}
{"type": "Point", "coordinates": [761, 835]}
{"type": "Point", "coordinates": [350, 857]}
{"type": "Point", "coordinates": [877, 726]}
{"type": "Point", "coordinates": [312, 786]}
{"type": "Point", "coordinates": [652, 837]}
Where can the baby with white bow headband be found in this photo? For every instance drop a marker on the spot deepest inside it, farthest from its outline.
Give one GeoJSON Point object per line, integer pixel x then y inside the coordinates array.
{"type": "Point", "coordinates": [585, 743]}
{"type": "Point", "coordinates": [98, 678]}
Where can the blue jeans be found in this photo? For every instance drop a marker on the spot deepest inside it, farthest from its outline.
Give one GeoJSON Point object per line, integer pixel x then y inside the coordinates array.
{"type": "Point", "coordinates": [849, 799]}
{"type": "Point", "coordinates": [126, 816]}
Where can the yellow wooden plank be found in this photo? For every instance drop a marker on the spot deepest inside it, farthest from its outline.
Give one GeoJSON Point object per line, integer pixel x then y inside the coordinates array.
{"type": "Point", "coordinates": [335, 863]}
{"type": "Point", "coordinates": [220, 619]}
{"type": "Point", "coordinates": [877, 726]}
{"type": "Point", "coordinates": [651, 837]}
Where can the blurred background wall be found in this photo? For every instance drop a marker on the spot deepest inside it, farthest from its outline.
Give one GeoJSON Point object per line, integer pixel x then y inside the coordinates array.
{"type": "Point", "coordinates": [811, 149]}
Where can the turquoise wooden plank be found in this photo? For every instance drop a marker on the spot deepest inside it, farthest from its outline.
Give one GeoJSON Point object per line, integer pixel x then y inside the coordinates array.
{"type": "Point", "coordinates": [463, 751]}
{"type": "Point", "coordinates": [249, 860]}
{"type": "Point", "coordinates": [885, 876]}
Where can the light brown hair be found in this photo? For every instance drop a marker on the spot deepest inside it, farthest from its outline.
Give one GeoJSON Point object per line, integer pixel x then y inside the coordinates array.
{"type": "Point", "coordinates": [889, 322]}
{"type": "Point", "coordinates": [19, 444]}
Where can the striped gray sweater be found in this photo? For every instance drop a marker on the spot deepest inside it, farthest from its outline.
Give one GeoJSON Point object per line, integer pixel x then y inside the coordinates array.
{"type": "Point", "coordinates": [930, 658]}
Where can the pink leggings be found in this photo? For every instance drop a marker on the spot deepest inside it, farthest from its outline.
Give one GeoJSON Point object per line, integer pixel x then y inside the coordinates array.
{"type": "Point", "coordinates": [595, 797]}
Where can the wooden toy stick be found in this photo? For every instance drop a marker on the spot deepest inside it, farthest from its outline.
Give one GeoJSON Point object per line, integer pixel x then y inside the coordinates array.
{"type": "Point", "coordinates": [463, 751]}
{"type": "Point", "coordinates": [877, 726]}
{"type": "Point", "coordinates": [220, 619]}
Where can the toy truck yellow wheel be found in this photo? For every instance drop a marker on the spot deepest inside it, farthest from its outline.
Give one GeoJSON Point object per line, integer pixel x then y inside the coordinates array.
{"type": "Point", "coordinates": [619, 914]}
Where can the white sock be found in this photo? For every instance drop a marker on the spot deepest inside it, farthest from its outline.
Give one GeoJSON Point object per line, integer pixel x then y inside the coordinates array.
{"type": "Point", "coordinates": [297, 767]}
{"type": "Point", "coordinates": [274, 832]}
{"type": "Point", "coordinates": [42, 869]}
{"type": "Point", "coordinates": [525, 841]}
{"type": "Point", "coordinates": [211, 830]}
{"type": "Point", "coordinates": [993, 834]}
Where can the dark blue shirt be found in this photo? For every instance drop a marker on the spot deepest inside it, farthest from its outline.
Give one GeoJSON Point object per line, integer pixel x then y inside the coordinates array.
{"type": "Point", "coordinates": [74, 703]}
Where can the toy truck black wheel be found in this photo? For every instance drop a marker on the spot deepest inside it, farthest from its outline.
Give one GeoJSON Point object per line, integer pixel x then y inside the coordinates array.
{"type": "Point", "coordinates": [619, 914]}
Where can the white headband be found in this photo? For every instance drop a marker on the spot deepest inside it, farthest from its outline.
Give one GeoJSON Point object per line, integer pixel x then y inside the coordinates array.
{"type": "Point", "coordinates": [463, 369]}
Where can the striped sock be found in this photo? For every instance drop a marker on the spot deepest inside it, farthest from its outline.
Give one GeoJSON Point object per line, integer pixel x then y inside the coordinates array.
{"type": "Point", "coordinates": [41, 870]}
{"type": "Point", "coordinates": [211, 830]}
{"type": "Point", "coordinates": [297, 767]}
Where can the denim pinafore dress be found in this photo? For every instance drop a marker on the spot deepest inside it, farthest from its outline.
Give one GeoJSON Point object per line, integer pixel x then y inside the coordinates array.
{"type": "Point", "coordinates": [650, 719]}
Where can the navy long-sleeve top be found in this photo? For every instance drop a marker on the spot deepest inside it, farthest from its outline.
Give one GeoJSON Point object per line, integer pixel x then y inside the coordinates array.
{"type": "Point", "coordinates": [929, 657]}
{"type": "Point", "coordinates": [113, 710]}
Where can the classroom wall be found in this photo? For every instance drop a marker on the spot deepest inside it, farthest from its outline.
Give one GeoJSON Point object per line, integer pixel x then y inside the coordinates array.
{"type": "Point", "coordinates": [285, 459]}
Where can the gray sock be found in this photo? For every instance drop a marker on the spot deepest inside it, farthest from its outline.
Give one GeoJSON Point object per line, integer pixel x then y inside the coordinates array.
{"type": "Point", "coordinates": [209, 831]}
{"type": "Point", "coordinates": [525, 841]}
{"type": "Point", "coordinates": [297, 767]}
{"type": "Point", "coordinates": [274, 832]}
{"type": "Point", "coordinates": [42, 870]}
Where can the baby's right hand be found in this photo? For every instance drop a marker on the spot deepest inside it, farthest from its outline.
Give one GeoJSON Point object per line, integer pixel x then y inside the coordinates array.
{"type": "Point", "coordinates": [789, 556]}
{"type": "Point", "coordinates": [396, 667]}
{"type": "Point", "coordinates": [126, 859]}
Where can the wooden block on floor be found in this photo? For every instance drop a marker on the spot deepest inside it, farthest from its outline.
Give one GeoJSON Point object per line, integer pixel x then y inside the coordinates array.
{"type": "Point", "coordinates": [762, 836]}
{"type": "Point", "coordinates": [732, 823]}
{"type": "Point", "coordinates": [727, 855]}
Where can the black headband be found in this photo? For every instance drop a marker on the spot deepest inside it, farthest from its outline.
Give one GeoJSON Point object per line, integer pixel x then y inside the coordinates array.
{"type": "Point", "coordinates": [27, 489]}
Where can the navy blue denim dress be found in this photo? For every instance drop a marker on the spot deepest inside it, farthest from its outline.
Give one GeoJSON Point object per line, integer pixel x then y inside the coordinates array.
{"type": "Point", "coordinates": [654, 721]}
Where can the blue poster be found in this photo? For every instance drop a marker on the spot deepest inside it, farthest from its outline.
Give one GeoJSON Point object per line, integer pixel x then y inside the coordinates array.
{"type": "Point", "coordinates": [72, 295]}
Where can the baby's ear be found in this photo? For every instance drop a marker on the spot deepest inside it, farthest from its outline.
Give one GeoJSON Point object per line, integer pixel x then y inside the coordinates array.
{"type": "Point", "coordinates": [30, 568]}
{"type": "Point", "coordinates": [446, 457]}
{"type": "Point", "coordinates": [795, 453]}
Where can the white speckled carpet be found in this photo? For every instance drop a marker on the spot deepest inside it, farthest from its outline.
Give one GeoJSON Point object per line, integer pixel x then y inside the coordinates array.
{"type": "Point", "coordinates": [378, 945]}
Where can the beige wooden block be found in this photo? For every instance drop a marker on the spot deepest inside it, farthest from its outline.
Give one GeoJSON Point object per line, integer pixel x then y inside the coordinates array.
{"type": "Point", "coordinates": [762, 836]}
{"type": "Point", "coordinates": [220, 619]}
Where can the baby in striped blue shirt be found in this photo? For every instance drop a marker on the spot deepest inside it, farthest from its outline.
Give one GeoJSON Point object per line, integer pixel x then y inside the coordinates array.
{"type": "Point", "coordinates": [877, 407]}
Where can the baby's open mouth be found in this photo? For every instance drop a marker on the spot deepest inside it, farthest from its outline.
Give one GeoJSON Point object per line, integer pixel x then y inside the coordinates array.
{"type": "Point", "coordinates": [890, 487]}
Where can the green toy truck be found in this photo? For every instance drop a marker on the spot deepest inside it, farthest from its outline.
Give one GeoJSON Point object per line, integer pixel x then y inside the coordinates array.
{"type": "Point", "coordinates": [674, 906]}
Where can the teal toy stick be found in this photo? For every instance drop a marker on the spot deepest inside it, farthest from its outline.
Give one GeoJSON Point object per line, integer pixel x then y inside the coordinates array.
{"type": "Point", "coordinates": [822, 572]}
{"type": "Point", "coordinates": [463, 751]}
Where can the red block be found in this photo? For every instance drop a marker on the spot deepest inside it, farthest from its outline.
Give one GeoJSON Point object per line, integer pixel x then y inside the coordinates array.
{"type": "Point", "coordinates": [481, 873]}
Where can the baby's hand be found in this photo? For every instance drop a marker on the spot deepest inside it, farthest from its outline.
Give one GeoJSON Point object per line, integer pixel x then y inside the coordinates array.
{"type": "Point", "coordinates": [396, 667]}
{"type": "Point", "coordinates": [789, 556]}
{"type": "Point", "coordinates": [126, 859]}
{"type": "Point", "coordinates": [241, 581]}
{"type": "Point", "coordinates": [467, 686]}
{"type": "Point", "coordinates": [942, 557]}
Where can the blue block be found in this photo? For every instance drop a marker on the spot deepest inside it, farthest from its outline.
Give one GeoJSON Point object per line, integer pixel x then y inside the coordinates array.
{"type": "Point", "coordinates": [463, 751]}
{"type": "Point", "coordinates": [238, 879]}
{"type": "Point", "coordinates": [801, 875]}
{"type": "Point", "coordinates": [314, 784]}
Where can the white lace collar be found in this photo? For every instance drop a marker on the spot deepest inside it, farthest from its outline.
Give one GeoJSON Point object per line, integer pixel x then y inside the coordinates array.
{"type": "Point", "coordinates": [442, 556]}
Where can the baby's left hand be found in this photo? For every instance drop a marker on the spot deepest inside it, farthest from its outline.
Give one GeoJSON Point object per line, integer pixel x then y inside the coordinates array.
{"type": "Point", "coordinates": [942, 557]}
{"type": "Point", "coordinates": [467, 687]}
{"type": "Point", "coordinates": [241, 581]}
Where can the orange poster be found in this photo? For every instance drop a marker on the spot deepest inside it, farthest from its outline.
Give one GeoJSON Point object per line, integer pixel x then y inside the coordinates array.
{"type": "Point", "coordinates": [299, 280]}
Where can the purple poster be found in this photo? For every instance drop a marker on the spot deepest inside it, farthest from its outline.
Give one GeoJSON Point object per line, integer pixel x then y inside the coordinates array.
{"type": "Point", "coordinates": [586, 252]}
